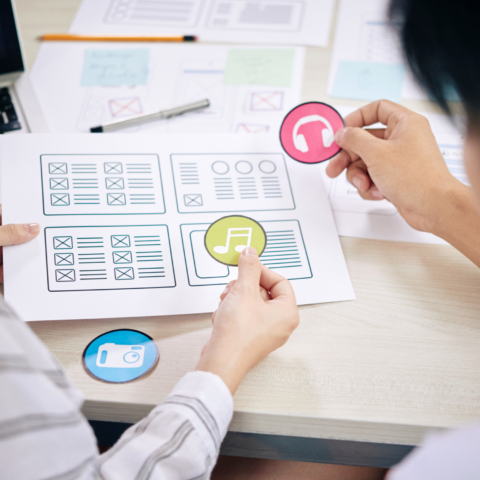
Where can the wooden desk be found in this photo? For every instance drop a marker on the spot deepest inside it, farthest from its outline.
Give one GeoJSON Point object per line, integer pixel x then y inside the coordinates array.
{"type": "Point", "coordinates": [358, 383]}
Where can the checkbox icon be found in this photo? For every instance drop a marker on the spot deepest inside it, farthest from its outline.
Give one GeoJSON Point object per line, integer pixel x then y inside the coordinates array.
{"type": "Point", "coordinates": [193, 200]}
{"type": "Point", "coordinates": [113, 168]}
{"type": "Point", "coordinates": [62, 243]}
{"type": "Point", "coordinates": [57, 168]}
{"type": "Point", "coordinates": [116, 199]}
{"type": "Point", "coordinates": [64, 259]}
{"type": "Point", "coordinates": [113, 183]}
{"type": "Point", "coordinates": [59, 184]}
{"type": "Point", "coordinates": [65, 275]}
{"type": "Point", "coordinates": [60, 199]}
{"type": "Point", "coordinates": [124, 273]}
{"type": "Point", "coordinates": [120, 241]}
{"type": "Point", "coordinates": [122, 257]}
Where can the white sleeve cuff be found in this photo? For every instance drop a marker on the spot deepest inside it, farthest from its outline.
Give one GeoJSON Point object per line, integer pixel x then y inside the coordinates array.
{"type": "Point", "coordinates": [206, 401]}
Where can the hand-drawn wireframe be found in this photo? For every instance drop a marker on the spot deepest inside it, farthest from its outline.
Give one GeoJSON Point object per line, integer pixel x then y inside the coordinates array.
{"type": "Point", "coordinates": [233, 182]}
{"type": "Point", "coordinates": [204, 79]}
{"type": "Point", "coordinates": [58, 183]}
{"type": "Point", "coordinates": [285, 252]}
{"type": "Point", "coordinates": [64, 259]}
{"type": "Point", "coordinates": [263, 15]}
{"type": "Point", "coordinates": [108, 258]}
{"type": "Point", "coordinates": [125, 107]}
{"type": "Point", "coordinates": [271, 101]}
{"type": "Point", "coordinates": [105, 104]}
{"type": "Point", "coordinates": [155, 12]}
{"type": "Point", "coordinates": [251, 128]}
{"type": "Point", "coordinates": [102, 184]}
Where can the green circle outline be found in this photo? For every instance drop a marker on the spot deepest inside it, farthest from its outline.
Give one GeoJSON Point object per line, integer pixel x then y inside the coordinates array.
{"type": "Point", "coordinates": [230, 216]}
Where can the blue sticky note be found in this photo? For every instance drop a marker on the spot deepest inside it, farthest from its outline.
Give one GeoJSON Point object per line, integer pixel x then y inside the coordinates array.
{"type": "Point", "coordinates": [369, 81]}
{"type": "Point", "coordinates": [112, 68]}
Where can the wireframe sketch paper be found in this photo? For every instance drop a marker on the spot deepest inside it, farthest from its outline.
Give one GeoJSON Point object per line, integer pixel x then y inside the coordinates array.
{"type": "Point", "coordinates": [367, 55]}
{"type": "Point", "coordinates": [250, 89]}
{"type": "Point", "coordinates": [356, 217]}
{"type": "Point", "coordinates": [124, 219]}
{"type": "Point", "coordinates": [281, 22]}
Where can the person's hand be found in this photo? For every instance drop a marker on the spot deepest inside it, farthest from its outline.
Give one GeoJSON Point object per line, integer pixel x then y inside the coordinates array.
{"type": "Point", "coordinates": [257, 315]}
{"type": "Point", "coordinates": [401, 163]}
{"type": "Point", "coordinates": [15, 234]}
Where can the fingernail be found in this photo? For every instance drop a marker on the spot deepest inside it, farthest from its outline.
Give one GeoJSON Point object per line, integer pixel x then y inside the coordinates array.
{"type": "Point", "coordinates": [357, 181]}
{"type": "Point", "coordinates": [339, 135]}
{"type": "Point", "coordinates": [227, 289]}
{"type": "Point", "coordinates": [32, 228]}
{"type": "Point", "coordinates": [377, 193]}
{"type": "Point", "coordinates": [250, 252]}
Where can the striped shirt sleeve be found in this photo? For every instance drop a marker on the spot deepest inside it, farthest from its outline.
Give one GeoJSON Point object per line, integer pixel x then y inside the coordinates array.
{"type": "Point", "coordinates": [44, 436]}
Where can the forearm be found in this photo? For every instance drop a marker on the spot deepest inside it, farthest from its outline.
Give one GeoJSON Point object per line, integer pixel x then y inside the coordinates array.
{"type": "Point", "coordinates": [457, 220]}
{"type": "Point", "coordinates": [180, 439]}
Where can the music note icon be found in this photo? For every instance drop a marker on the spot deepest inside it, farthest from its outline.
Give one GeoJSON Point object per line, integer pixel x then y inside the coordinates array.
{"type": "Point", "coordinates": [235, 232]}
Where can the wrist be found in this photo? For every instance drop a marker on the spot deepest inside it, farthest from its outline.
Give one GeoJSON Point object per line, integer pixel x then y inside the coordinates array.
{"type": "Point", "coordinates": [230, 365]}
{"type": "Point", "coordinates": [454, 208]}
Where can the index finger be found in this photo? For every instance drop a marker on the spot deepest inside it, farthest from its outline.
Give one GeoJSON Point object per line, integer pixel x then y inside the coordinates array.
{"type": "Point", "coordinates": [277, 285]}
{"type": "Point", "coordinates": [382, 111]}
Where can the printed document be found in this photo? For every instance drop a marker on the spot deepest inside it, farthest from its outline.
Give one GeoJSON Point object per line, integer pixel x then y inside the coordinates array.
{"type": "Point", "coordinates": [368, 50]}
{"type": "Point", "coordinates": [280, 22]}
{"type": "Point", "coordinates": [250, 89]}
{"type": "Point", "coordinates": [124, 218]}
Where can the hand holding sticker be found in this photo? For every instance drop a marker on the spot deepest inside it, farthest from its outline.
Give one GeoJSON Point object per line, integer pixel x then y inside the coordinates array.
{"type": "Point", "coordinates": [226, 238]}
{"type": "Point", "coordinates": [308, 132]}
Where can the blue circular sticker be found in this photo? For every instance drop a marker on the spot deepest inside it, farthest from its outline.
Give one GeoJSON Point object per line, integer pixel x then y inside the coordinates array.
{"type": "Point", "coordinates": [120, 356]}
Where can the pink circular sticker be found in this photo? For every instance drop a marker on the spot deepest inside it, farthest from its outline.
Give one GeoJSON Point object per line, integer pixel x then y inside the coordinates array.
{"type": "Point", "coordinates": [307, 133]}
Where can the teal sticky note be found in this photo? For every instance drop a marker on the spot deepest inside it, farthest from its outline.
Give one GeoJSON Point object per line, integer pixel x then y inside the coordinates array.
{"type": "Point", "coordinates": [265, 66]}
{"type": "Point", "coordinates": [111, 68]}
{"type": "Point", "coordinates": [369, 81]}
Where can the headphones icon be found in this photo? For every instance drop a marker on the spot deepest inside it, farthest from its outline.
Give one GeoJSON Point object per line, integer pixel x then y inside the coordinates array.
{"type": "Point", "coordinates": [299, 139]}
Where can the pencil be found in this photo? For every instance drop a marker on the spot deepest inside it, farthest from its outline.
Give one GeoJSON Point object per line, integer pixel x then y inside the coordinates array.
{"type": "Point", "coordinates": [65, 37]}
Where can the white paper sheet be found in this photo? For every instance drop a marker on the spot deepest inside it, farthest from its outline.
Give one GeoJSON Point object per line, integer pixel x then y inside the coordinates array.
{"type": "Point", "coordinates": [363, 35]}
{"type": "Point", "coordinates": [123, 223]}
{"type": "Point", "coordinates": [356, 217]}
{"type": "Point", "coordinates": [281, 22]}
{"type": "Point", "coordinates": [178, 74]}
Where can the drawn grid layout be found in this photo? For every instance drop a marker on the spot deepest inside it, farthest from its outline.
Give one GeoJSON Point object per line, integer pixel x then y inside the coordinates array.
{"type": "Point", "coordinates": [261, 15]}
{"type": "Point", "coordinates": [285, 252]}
{"type": "Point", "coordinates": [108, 258]}
{"type": "Point", "coordinates": [102, 185]}
{"type": "Point", "coordinates": [231, 182]}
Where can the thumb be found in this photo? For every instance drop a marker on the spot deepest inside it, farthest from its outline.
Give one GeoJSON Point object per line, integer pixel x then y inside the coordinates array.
{"type": "Point", "coordinates": [249, 270]}
{"type": "Point", "coordinates": [15, 234]}
{"type": "Point", "coordinates": [359, 142]}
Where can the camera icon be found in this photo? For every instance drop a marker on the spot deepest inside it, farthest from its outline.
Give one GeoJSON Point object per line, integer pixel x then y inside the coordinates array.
{"type": "Point", "coordinates": [111, 355]}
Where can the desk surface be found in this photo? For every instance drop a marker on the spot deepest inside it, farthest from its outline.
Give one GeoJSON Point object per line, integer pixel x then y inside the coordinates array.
{"type": "Point", "coordinates": [401, 360]}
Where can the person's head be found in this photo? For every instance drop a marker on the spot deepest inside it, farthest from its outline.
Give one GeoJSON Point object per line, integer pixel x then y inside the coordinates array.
{"type": "Point", "coordinates": [441, 41]}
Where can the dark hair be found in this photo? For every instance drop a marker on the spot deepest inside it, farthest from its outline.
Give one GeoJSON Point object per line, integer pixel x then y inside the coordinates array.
{"type": "Point", "coordinates": [441, 41]}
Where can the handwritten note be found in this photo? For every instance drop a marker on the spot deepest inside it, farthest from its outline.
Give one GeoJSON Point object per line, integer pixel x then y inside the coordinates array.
{"type": "Point", "coordinates": [115, 67]}
{"type": "Point", "coordinates": [369, 81]}
{"type": "Point", "coordinates": [272, 67]}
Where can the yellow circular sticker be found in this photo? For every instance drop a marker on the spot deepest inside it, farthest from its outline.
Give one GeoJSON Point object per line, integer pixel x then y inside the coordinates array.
{"type": "Point", "coordinates": [228, 237]}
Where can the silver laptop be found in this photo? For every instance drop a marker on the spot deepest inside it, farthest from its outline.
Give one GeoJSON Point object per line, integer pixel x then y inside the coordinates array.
{"type": "Point", "coordinates": [20, 110]}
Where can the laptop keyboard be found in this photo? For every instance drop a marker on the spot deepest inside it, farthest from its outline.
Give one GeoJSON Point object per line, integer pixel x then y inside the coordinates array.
{"type": "Point", "coordinates": [8, 115]}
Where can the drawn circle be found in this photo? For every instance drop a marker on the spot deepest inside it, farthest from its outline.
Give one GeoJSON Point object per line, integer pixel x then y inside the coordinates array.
{"type": "Point", "coordinates": [243, 167]}
{"type": "Point", "coordinates": [220, 168]}
{"type": "Point", "coordinates": [120, 356]}
{"type": "Point", "coordinates": [266, 166]}
{"type": "Point", "coordinates": [307, 132]}
{"type": "Point", "coordinates": [226, 238]}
